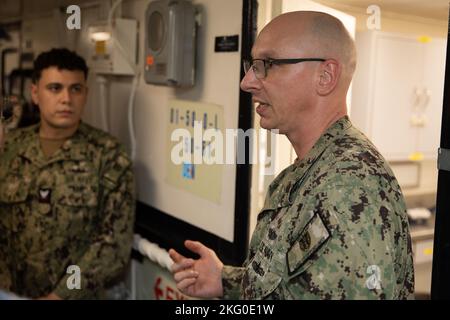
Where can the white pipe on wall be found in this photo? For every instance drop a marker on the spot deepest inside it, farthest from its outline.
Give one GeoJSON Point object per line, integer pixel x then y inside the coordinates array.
{"type": "Point", "coordinates": [152, 251]}
{"type": "Point", "coordinates": [103, 94]}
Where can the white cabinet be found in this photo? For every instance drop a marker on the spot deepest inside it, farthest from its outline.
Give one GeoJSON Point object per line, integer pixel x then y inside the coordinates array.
{"type": "Point", "coordinates": [398, 93]}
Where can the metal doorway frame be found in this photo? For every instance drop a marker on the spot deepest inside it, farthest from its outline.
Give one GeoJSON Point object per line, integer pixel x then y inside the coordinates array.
{"type": "Point", "coordinates": [440, 280]}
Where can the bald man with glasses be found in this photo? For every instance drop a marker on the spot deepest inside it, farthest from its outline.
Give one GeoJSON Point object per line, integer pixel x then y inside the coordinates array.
{"type": "Point", "coordinates": [334, 223]}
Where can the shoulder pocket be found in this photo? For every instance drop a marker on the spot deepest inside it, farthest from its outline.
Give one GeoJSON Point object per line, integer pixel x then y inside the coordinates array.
{"type": "Point", "coordinates": [311, 239]}
{"type": "Point", "coordinates": [112, 176]}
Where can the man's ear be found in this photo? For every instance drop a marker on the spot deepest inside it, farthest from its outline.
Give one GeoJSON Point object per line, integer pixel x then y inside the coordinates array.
{"type": "Point", "coordinates": [34, 94]}
{"type": "Point", "coordinates": [329, 74]}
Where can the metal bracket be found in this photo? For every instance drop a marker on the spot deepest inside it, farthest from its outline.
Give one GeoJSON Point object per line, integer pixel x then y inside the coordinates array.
{"type": "Point", "coordinates": [444, 159]}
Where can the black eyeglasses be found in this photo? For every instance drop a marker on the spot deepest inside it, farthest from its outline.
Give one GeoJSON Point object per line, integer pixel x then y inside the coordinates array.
{"type": "Point", "coordinates": [260, 66]}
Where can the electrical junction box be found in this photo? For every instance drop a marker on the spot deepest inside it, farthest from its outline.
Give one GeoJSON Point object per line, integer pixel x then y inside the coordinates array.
{"type": "Point", "coordinates": [170, 35]}
{"type": "Point", "coordinates": [113, 55]}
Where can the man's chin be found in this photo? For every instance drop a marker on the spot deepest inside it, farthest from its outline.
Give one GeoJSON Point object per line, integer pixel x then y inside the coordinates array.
{"type": "Point", "coordinates": [63, 125]}
{"type": "Point", "coordinates": [266, 124]}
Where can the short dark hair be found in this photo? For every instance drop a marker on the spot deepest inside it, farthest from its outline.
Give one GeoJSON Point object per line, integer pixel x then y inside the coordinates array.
{"type": "Point", "coordinates": [61, 58]}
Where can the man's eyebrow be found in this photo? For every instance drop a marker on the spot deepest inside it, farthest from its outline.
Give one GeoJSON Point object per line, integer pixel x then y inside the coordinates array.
{"type": "Point", "coordinates": [53, 84]}
{"type": "Point", "coordinates": [264, 54]}
{"type": "Point", "coordinates": [61, 84]}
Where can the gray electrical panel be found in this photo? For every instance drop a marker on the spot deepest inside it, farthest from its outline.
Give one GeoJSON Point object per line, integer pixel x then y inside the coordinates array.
{"type": "Point", "coordinates": [170, 32]}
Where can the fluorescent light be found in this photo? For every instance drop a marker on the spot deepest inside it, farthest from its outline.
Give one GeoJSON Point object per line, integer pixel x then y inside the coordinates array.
{"type": "Point", "coordinates": [100, 36]}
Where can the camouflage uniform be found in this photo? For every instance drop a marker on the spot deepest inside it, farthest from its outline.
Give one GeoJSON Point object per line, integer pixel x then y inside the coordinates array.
{"type": "Point", "coordinates": [74, 208]}
{"type": "Point", "coordinates": [333, 226]}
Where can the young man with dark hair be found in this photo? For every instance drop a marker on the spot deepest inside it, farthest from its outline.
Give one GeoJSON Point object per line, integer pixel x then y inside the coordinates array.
{"type": "Point", "coordinates": [67, 194]}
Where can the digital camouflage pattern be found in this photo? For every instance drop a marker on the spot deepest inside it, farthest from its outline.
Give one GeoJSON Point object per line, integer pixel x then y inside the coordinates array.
{"type": "Point", "coordinates": [333, 226]}
{"type": "Point", "coordinates": [74, 208]}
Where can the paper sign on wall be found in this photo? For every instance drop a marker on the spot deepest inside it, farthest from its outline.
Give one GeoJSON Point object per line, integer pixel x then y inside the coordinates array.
{"type": "Point", "coordinates": [194, 151]}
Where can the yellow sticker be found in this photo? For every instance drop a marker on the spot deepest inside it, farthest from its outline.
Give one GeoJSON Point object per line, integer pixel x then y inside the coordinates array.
{"type": "Point", "coordinates": [416, 156]}
{"type": "Point", "coordinates": [424, 39]}
{"type": "Point", "coordinates": [428, 251]}
{"type": "Point", "coordinates": [100, 47]}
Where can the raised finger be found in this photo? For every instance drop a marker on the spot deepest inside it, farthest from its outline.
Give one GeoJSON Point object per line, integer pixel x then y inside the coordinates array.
{"type": "Point", "coordinates": [185, 274]}
{"type": "Point", "coordinates": [175, 256]}
{"type": "Point", "coordinates": [186, 283]}
{"type": "Point", "coordinates": [183, 264]}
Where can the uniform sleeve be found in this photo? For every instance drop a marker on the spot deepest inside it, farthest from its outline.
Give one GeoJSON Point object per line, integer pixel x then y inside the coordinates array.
{"type": "Point", "coordinates": [2, 136]}
{"type": "Point", "coordinates": [110, 250]}
{"type": "Point", "coordinates": [231, 281]}
{"type": "Point", "coordinates": [356, 246]}
{"type": "Point", "coordinates": [5, 277]}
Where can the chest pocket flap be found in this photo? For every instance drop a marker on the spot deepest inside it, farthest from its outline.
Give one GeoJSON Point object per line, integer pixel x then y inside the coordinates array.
{"type": "Point", "coordinates": [311, 239]}
{"type": "Point", "coordinates": [79, 190]}
{"type": "Point", "coordinates": [14, 189]}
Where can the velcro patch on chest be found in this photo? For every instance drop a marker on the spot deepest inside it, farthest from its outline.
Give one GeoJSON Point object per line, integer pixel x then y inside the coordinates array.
{"type": "Point", "coordinates": [312, 237]}
{"type": "Point", "coordinates": [45, 195]}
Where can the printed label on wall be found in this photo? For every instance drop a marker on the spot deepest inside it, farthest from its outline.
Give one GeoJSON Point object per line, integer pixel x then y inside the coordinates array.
{"type": "Point", "coordinates": [194, 153]}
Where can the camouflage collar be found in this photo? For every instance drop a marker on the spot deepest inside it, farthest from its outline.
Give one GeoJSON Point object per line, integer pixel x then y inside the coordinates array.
{"type": "Point", "coordinates": [72, 148]}
{"type": "Point", "coordinates": [31, 147]}
{"type": "Point", "coordinates": [290, 180]}
{"type": "Point", "coordinates": [335, 130]}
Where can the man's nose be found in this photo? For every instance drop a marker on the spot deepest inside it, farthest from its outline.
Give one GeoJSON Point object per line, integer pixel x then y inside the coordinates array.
{"type": "Point", "coordinates": [65, 96]}
{"type": "Point", "coordinates": [250, 83]}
